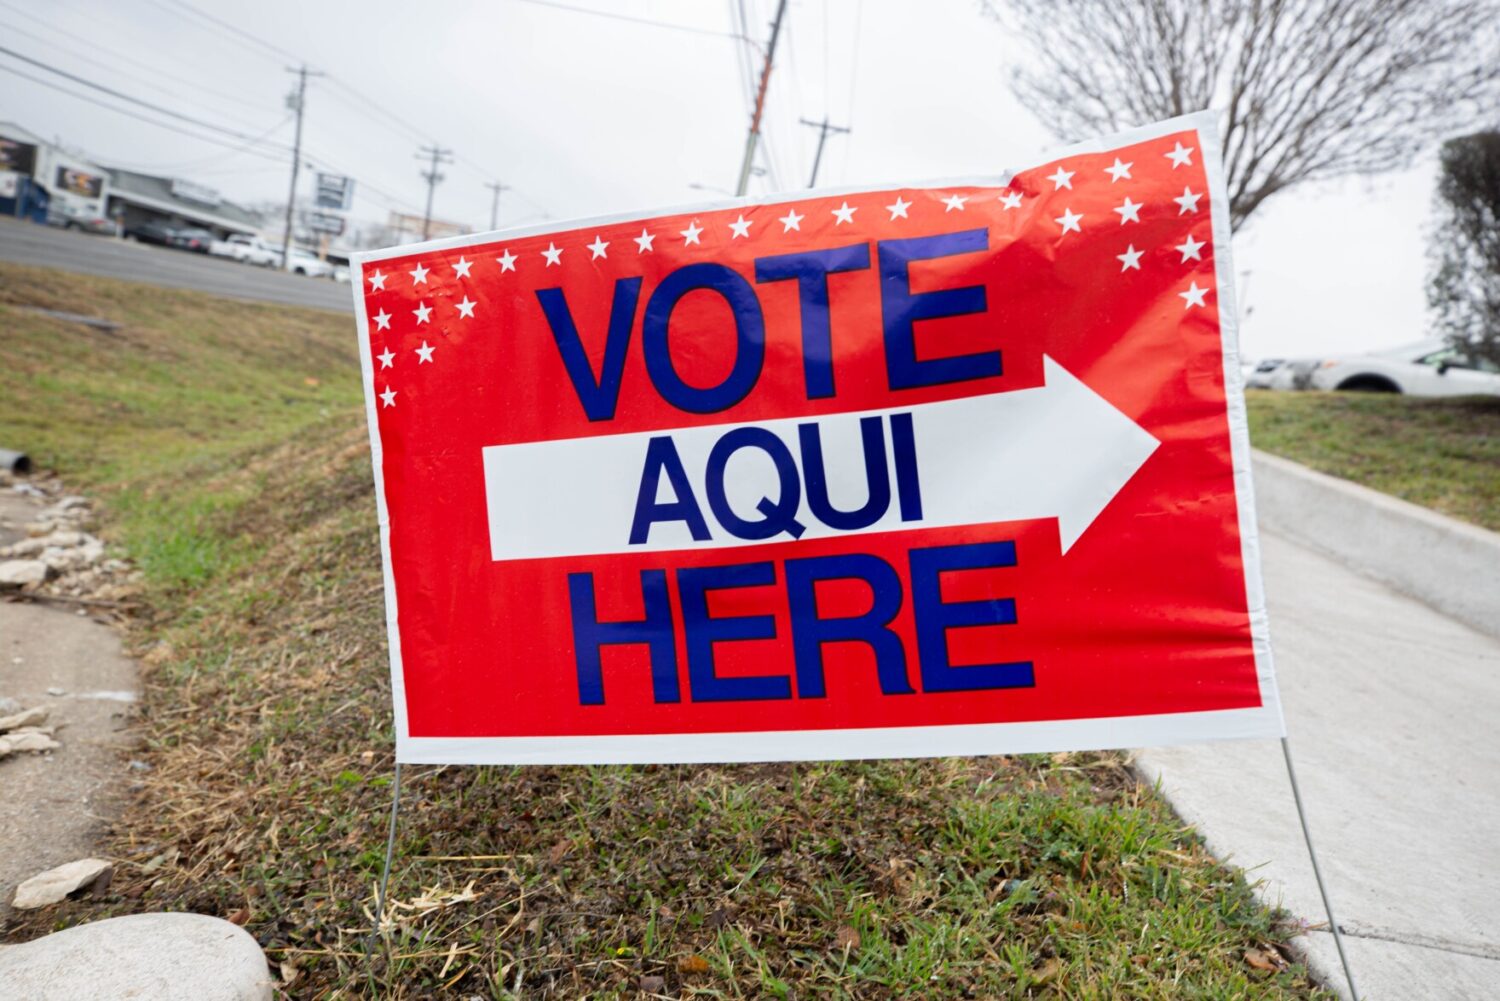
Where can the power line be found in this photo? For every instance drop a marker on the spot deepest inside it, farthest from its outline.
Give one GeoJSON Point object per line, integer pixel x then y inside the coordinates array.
{"type": "Point", "coordinates": [612, 15]}
{"type": "Point", "coordinates": [182, 81]}
{"type": "Point", "coordinates": [271, 51]}
{"type": "Point", "coordinates": [247, 147]}
{"type": "Point", "coordinates": [232, 133]}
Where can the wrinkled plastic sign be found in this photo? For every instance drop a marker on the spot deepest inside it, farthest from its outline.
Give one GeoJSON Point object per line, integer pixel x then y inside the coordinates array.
{"type": "Point", "coordinates": [945, 469]}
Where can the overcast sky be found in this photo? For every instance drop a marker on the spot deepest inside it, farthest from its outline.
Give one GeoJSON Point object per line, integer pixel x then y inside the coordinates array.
{"type": "Point", "coordinates": [585, 114]}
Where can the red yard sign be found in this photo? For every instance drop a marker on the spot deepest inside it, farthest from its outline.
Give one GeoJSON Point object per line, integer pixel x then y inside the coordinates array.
{"type": "Point", "coordinates": [942, 469]}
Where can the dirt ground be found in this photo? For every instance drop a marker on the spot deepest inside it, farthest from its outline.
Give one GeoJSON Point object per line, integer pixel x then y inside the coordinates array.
{"type": "Point", "coordinates": [53, 805]}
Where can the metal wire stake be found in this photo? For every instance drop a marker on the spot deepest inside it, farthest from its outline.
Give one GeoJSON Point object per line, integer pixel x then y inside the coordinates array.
{"type": "Point", "coordinates": [385, 876]}
{"type": "Point", "coordinates": [1333, 925]}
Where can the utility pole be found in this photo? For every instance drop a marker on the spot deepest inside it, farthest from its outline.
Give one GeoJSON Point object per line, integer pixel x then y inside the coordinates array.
{"type": "Point", "coordinates": [760, 103]}
{"type": "Point", "coordinates": [296, 102]}
{"type": "Point", "coordinates": [496, 187]}
{"type": "Point", "coordinates": [824, 131]}
{"type": "Point", "coordinates": [438, 156]}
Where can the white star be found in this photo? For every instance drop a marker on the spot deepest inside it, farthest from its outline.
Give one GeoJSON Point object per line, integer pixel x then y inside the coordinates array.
{"type": "Point", "coordinates": [388, 397]}
{"type": "Point", "coordinates": [507, 261]}
{"type": "Point", "coordinates": [741, 227]}
{"type": "Point", "coordinates": [1129, 212]}
{"type": "Point", "coordinates": [791, 221]}
{"type": "Point", "coordinates": [383, 320]}
{"type": "Point", "coordinates": [386, 357]}
{"type": "Point", "coordinates": [597, 248]}
{"type": "Point", "coordinates": [1179, 156]}
{"type": "Point", "coordinates": [422, 312]}
{"type": "Point", "coordinates": [844, 214]}
{"type": "Point", "coordinates": [1069, 221]}
{"type": "Point", "coordinates": [1193, 296]}
{"type": "Point", "coordinates": [1062, 179]}
{"type": "Point", "coordinates": [1131, 259]}
{"type": "Point", "coordinates": [898, 208]}
{"type": "Point", "coordinates": [1011, 200]}
{"type": "Point", "coordinates": [418, 275]}
{"type": "Point", "coordinates": [377, 281]}
{"type": "Point", "coordinates": [553, 254]}
{"type": "Point", "coordinates": [1118, 170]}
{"type": "Point", "coordinates": [1190, 249]}
{"type": "Point", "coordinates": [424, 353]}
{"type": "Point", "coordinates": [691, 234]}
{"type": "Point", "coordinates": [466, 308]}
{"type": "Point", "coordinates": [461, 269]}
{"type": "Point", "coordinates": [955, 202]}
{"type": "Point", "coordinates": [1188, 201]}
{"type": "Point", "coordinates": [644, 241]}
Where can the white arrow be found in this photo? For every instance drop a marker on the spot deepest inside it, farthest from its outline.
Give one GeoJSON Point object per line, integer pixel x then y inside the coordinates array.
{"type": "Point", "coordinates": [1056, 451]}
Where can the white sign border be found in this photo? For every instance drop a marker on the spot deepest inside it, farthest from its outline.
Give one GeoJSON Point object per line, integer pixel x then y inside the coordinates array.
{"type": "Point", "coordinates": [933, 740]}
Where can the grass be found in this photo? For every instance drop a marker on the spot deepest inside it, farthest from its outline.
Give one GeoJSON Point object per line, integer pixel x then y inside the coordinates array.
{"type": "Point", "coordinates": [225, 443]}
{"type": "Point", "coordinates": [1440, 453]}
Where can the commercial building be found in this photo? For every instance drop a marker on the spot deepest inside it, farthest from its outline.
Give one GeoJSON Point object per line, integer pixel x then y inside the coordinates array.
{"type": "Point", "coordinates": [37, 176]}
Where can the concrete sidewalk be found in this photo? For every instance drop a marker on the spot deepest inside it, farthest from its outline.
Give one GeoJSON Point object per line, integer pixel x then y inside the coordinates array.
{"type": "Point", "coordinates": [1392, 712]}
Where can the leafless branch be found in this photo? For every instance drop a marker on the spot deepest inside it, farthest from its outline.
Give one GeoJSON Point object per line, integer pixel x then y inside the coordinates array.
{"type": "Point", "coordinates": [1307, 89]}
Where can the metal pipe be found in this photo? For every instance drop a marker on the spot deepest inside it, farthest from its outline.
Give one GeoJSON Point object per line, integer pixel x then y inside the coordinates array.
{"type": "Point", "coordinates": [15, 462]}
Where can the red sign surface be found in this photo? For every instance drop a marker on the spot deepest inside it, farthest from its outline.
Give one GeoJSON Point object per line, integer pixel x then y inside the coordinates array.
{"type": "Point", "coordinates": [943, 469]}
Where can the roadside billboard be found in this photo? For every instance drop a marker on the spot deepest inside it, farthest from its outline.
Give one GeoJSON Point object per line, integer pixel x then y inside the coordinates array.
{"type": "Point", "coordinates": [955, 468]}
{"type": "Point", "coordinates": [82, 183]}
{"type": "Point", "coordinates": [17, 156]}
{"type": "Point", "coordinates": [334, 191]}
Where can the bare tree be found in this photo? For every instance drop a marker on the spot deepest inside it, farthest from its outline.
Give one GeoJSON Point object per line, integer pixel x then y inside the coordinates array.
{"type": "Point", "coordinates": [1464, 291]}
{"type": "Point", "coordinates": [1308, 89]}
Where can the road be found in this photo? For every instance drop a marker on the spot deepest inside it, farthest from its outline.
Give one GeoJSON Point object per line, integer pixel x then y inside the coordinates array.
{"type": "Point", "coordinates": [1390, 707]}
{"type": "Point", "coordinates": [47, 246]}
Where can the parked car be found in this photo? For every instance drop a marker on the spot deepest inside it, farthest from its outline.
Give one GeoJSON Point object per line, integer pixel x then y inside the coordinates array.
{"type": "Point", "coordinates": [191, 238]}
{"type": "Point", "coordinates": [154, 231]}
{"type": "Point", "coordinates": [303, 263]}
{"type": "Point", "coordinates": [1264, 371]}
{"type": "Point", "coordinates": [66, 216]}
{"type": "Point", "coordinates": [1429, 368]}
{"type": "Point", "coordinates": [247, 248]}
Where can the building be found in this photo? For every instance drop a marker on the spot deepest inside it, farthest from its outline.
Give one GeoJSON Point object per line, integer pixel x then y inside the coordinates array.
{"type": "Point", "coordinates": [38, 177]}
{"type": "Point", "coordinates": [136, 198]}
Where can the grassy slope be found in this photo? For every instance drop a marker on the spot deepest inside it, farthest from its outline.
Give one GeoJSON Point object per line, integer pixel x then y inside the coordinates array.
{"type": "Point", "coordinates": [244, 491]}
{"type": "Point", "coordinates": [1440, 453]}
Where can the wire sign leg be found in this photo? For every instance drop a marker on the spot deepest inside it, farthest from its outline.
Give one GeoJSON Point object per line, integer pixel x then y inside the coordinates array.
{"type": "Point", "coordinates": [1333, 925]}
{"type": "Point", "coordinates": [385, 874]}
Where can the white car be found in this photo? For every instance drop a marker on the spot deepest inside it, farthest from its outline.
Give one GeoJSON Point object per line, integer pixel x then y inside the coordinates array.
{"type": "Point", "coordinates": [247, 248]}
{"type": "Point", "coordinates": [1430, 368]}
{"type": "Point", "coordinates": [303, 263]}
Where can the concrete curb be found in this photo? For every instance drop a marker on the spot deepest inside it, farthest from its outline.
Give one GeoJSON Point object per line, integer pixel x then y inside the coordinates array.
{"type": "Point", "coordinates": [1450, 565]}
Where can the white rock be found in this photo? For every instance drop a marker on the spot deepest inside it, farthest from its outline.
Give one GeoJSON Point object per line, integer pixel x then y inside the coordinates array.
{"type": "Point", "coordinates": [58, 559]}
{"type": "Point", "coordinates": [9, 707]}
{"type": "Point", "coordinates": [27, 717]}
{"type": "Point", "coordinates": [31, 740]}
{"type": "Point", "coordinates": [91, 551]}
{"type": "Point", "coordinates": [18, 573]}
{"type": "Point", "coordinates": [62, 537]}
{"type": "Point", "coordinates": [71, 502]}
{"type": "Point", "coordinates": [4, 748]}
{"type": "Point", "coordinates": [164, 957]}
{"type": "Point", "coordinates": [55, 884]}
{"type": "Point", "coordinates": [26, 547]}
